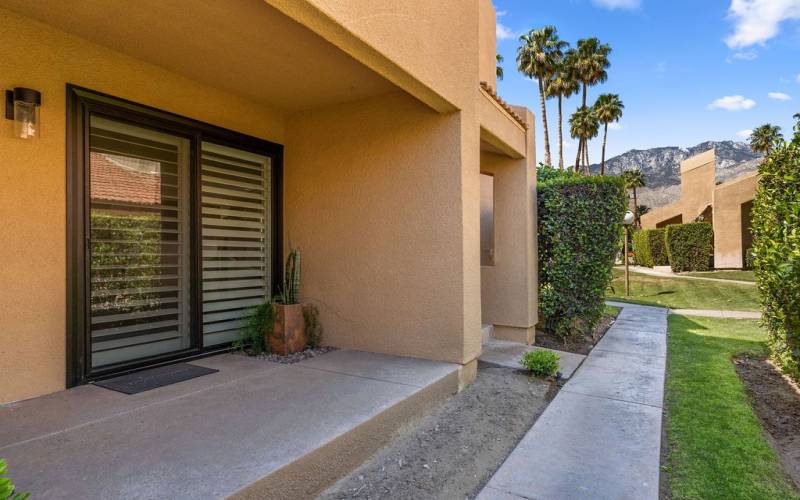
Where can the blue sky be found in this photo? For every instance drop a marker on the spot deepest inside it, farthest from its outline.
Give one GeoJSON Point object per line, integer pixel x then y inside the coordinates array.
{"type": "Point", "coordinates": [687, 70]}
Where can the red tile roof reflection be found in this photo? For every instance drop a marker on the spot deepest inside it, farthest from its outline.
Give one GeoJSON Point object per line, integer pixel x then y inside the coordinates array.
{"type": "Point", "coordinates": [115, 182]}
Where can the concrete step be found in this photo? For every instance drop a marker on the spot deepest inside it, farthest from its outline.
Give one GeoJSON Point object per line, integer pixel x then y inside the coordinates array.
{"type": "Point", "coordinates": [487, 330]}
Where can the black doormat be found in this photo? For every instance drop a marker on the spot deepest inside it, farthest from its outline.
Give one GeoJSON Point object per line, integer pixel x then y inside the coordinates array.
{"type": "Point", "coordinates": [134, 383]}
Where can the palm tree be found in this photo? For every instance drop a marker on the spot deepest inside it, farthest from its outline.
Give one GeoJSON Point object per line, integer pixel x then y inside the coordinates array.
{"type": "Point", "coordinates": [562, 85]}
{"type": "Point", "coordinates": [583, 125]}
{"type": "Point", "coordinates": [537, 55]}
{"type": "Point", "coordinates": [764, 138]}
{"type": "Point", "coordinates": [590, 61]}
{"type": "Point", "coordinates": [608, 108]}
{"type": "Point", "coordinates": [499, 69]}
{"type": "Point", "coordinates": [634, 179]}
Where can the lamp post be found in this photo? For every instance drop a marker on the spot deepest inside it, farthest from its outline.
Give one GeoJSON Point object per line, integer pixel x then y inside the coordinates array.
{"type": "Point", "coordinates": [627, 220]}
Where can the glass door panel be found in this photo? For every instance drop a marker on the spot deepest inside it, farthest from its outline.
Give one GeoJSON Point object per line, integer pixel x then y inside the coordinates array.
{"type": "Point", "coordinates": [139, 242]}
{"type": "Point", "coordinates": [236, 239]}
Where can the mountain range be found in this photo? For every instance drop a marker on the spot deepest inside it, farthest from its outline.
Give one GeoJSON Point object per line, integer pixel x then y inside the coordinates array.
{"type": "Point", "coordinates": [661, 167]}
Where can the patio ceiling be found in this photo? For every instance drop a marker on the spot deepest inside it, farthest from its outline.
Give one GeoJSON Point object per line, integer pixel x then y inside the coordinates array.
{"type": "Point", "coordinates": [245, 47]}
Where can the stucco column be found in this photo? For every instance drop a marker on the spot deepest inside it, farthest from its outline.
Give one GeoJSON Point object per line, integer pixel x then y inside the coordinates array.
{"type": "Point", "coordinates": [509, 294]}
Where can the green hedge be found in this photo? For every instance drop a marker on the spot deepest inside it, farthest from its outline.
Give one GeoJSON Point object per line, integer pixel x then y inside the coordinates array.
{"type": "Point", "coordinates": [641, 248]}
{"type": "Point", "coordinates": [650, 248]}
{"type": "Point", "coordinates": [776, 253]}
{"type": "Point", "coordinates": [690, 247]}
{"type": "Point", "coordinates": [579, 221]}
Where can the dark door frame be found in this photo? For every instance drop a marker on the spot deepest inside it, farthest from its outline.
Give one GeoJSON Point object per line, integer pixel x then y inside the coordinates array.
{"type": "Point", "coordinates": [81, 104]}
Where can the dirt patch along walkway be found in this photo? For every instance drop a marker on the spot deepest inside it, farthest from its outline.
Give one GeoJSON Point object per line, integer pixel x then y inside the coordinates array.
{"type": "Point", "coordinates": [453, 450]}
{"type": "Point", "coordinates": [580, 343]}
{"type": "Point", "coordinates": [776, 401]}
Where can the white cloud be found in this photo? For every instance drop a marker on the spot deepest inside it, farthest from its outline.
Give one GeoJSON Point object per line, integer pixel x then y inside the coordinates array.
{"type": "Point", "coordinates": [501, 13]}
{"type": "Point", "coordinates": [743, 55]}
{"type": "Point", "coordinates": [568, 145]}
{"type": "Point", "coordinates": [732, 103]}
{"type": "Point", "coordinates": [744, 134]}
{"type": "Point", "coordinates": [503, 32]}
{"type": "Point", "coordinates": [798, 78]}
{"type": "Point", "coordinates": [618, 4]}
{"type": "Point", "coordinates": [615, 126]}
{"type": "Point", "coordinates": [779, 96]}
{"type": "Point", "coordinates": [757, 21]}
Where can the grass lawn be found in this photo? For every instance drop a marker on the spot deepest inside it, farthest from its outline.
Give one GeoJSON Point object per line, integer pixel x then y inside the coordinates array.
{"type": "Point", "coordinates": [611, 310]}
{"type": "Point", "coordinates": [680, 293]}
{"type": "Point", "coordinates": [727, 275]}
{"type": "Point", "coordinates": [717, 448]}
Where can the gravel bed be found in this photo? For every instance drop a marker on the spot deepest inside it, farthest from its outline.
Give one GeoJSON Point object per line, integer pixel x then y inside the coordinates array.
{"type": "Point", "coordinates": [296, 357]}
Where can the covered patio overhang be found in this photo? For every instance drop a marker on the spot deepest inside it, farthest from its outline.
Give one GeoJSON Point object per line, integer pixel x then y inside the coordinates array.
{"type": "Point", "coordinates": [290, 58]}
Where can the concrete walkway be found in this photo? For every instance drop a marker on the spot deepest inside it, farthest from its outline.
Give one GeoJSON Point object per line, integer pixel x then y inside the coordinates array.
{"type": "Point", "coordinates": [600, 437]}
{"type": "Point", "coordinates": [659, 274]}
{"type": "Point", "coordinates": [707, 313]}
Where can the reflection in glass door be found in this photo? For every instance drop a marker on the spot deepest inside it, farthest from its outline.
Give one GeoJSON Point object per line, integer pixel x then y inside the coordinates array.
{"type": "Point", "coordinates": [139, 244]}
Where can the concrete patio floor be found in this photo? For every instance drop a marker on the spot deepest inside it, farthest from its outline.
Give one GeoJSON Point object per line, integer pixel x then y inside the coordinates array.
{"type": "Point", "coordinates": [255, 429]}
{"type": "Point", "coordinates": [600, 437]}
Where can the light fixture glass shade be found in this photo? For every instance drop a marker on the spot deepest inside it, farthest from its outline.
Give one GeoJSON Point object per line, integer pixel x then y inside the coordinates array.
{"type": "Point", "coordinates": [26, 119]}
{"type": "Point", "coordinates": [628, 219]}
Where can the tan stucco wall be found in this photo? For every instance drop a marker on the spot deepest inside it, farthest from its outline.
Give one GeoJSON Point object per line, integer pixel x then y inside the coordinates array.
{"type": "Point", "coordinates": [508, 288]}
{"type": "Point", "coordinates": [728, 201]}
{"type": "Point", "coordinates": [499, 129]}
{"type": "Point", "coordinates": [487, 38]}
{"type": "Point", "coordinates": [371, 201]}
{"type": "Point", "coordinates": [656, 216]}
{"type": "Point", "coordinates": [32, 183]}
{"type": "Point", "coordinates": [697, 184]}
{"type": "Point", "coordinates": [437, 44]}
{"type": "Point", "coordinates": [697, 189]}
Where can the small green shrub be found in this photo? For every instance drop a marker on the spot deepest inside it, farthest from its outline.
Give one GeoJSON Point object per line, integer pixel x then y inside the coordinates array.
{"type": "Point", "coordinates": [776, 253]}
{"type": "Point", "coordinates": [579, 223]}
{"type": "Point", "coordinates": [313, 326]}
{"type": "Point", "coordinates": [690, 247]}
{"type": "Point", "coordinates": [649, 247]}
{"type": "Point", "coordinates": [7, 488]}
{"type": "Point", "coordinates": [542, 363]}
{"type": "Point", "coordinates": [260, 322]}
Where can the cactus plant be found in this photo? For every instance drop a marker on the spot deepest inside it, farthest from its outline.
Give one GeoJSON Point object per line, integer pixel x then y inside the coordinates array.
{"type": "Point", "coordinates": [291, 278]}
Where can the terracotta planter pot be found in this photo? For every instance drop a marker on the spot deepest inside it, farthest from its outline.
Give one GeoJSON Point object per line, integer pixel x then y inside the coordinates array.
{"type": "Point", "coordinates": [289, 331]}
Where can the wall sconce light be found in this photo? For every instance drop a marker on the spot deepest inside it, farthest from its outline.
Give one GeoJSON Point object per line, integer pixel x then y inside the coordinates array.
{"type": "Point", "coordinates": [22, 106]}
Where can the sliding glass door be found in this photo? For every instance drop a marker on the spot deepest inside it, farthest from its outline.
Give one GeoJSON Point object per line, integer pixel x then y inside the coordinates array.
{"type": "Point", "coordinates": [139, 242]}
{"type": "Point", "coordinates": [174, 235]}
